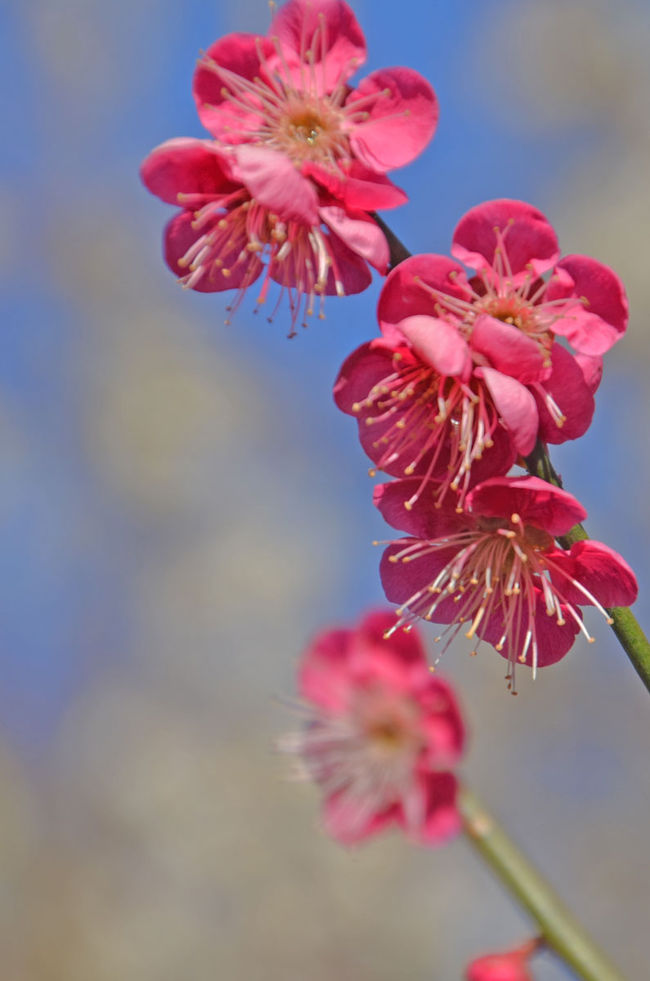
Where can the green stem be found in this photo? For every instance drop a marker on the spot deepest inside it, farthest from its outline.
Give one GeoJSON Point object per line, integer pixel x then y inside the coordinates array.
{"type": "Point", "coordinates": [623, 622]}
{"type": "Point", "coordinates": [560, 932]}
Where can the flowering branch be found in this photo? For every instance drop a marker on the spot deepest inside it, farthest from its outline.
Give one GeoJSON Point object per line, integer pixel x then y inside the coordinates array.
{"type": "Point", "coordinates": [560, 931]}
{"type": "Point", "coordinates": [622, 621]}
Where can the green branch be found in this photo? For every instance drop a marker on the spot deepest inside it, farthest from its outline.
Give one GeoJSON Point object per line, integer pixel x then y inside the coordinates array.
{"type": "Point", "coordinates": [560, 932]}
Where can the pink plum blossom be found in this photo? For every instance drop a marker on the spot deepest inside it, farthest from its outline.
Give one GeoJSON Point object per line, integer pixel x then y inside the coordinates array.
{"type": "Point", "coordinates": [495, 572]}
{"type": "Point", "coordinates": [296, 161]}
{"type": "Point", "coordinates": [381, 734]}
{"type": "Point", "coordinates": [468, 373]}
{"type": "Point", "coordinates": [511, 965]}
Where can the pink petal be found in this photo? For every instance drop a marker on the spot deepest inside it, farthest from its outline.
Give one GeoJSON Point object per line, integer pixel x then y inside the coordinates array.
{"type": "Point", "coordinates": [596, 326]}
{"type": "Point", "coordinates": [529, 242]}
{"type": "Point", "coordinates": [395, 127]}
{"type": "Point", "coordinates": [570, 393]}
{"type": "Point", "coordinates": [322, 33]}
{"type": "Point", "coordinates": [239, 55]}
{"type": "Point", "coordinates": [424, 519]}
{"type": "Point", "coordinates": [343, 822]}
{"type": "Point", "coordinates": [324, 672]}
{"type": "Point", "coordinates": [439, 345]}
{"type": "Point", "coordinates": [508, 349]}
{"type": "Point", "coordinates": [359, 189]}
{"type": "Point", "coordinates": [601, 570]}
{"type": "Point", "coordinates": [441, 820]}
{"type": "Point", "coordinates": [516, 407]}
{"type": "Point", "coordinates": [360, 233]}
{"type": "Point", "coordinates": [403, 646]}
{"type": "Point", "coordinates": [274, 181]}
{"type": "Point", "coordinates": [553, 640]}
{"type": "Point", "coordinates": [349, 272]}
{"type": "Point", "coordinates": [537, 502]}
{"type": "Point", "coordinates": [193, 170]}
{"type": "Point", "coordinates": [360, 372]}
{"type": "Point", "coordinates": [402, 580]}
{"type": "Point", "coordinates": [180, 236]}
{"type": "Point", "coordinates": [412, 287]}
{"type": "Point", "coordinates": [592, 370]}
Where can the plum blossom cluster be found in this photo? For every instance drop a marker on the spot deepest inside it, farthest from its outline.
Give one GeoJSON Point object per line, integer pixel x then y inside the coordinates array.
{"type": "Point", "coordinates": [470, 373]}
{"type": "Point", "coordinates": [381, 734]}
{"type": "Point", "coordinates": [297, 158]}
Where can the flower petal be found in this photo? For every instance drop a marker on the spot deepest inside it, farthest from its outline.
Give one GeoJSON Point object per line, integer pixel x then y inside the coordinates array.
{"type": "Point", "coordinates": [439, 344]}
{"type": "Point", "coordinates": [509, 238]}
{"type": "Point", "coordinates": [566, 390]}
{"type": "Point", "coordinates": [594, 325]}
{"type": "Point", "coordinates": [224, 102]}
{"type": "Point", "coordinates": [188, 172]}
{"type": "Point", "coordinates": [508, 349]}
{"type": "Point", "coordinates": [324, 673]}
{"type": "Point", "coordinates": [423, 519]}
{"type": "Point", "coordinates": [274, 181]}
{"type": "Point", "coordinates": [516, 407]}
{"type": "Point", "coordinates": [554, 639]}
{"type": "Point", "coordinates": [394, 128]}
{"type": "Point", "coordinates": [358, 189]}
{"type": "Point", "coordinates": [601, 570]}
{"type": "Point", "coordinates": [414, 287]}
{"type": "Point", "coordinates": [441, 819]}
{"type": "Point", "coordinates": [537, 502]}
{"type": "Point", "coordinates": [241, 267]}
{"type": "Point", "coordinates": [321, 42]}
{"type": "Point", "coordinates": [360, 372]}
{"type": "Point", "coordinates": [360, 233]}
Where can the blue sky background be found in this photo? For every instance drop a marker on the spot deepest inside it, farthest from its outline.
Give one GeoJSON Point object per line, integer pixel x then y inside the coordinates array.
{"type": "Point", "coordinates": [181, 506]}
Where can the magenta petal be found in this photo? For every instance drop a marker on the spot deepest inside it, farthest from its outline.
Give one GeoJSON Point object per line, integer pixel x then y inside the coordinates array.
{"type": "Point", "coordinates": [579, 276]}
{"type": "Point", "coordinates": [192, 170]}
{"type": "Point", "coordinates": [568, 389]}
{"type": "Point", "coordinates": [405, 647]}
{"type": "Point", "coordinates": [592, 370]}
{"type": "Point", "coordinates": [324, 673]}
{"type": "Point", "coordinates": [441, 817]}
{"type": "Point", "coordinates": [527, 239]}
{"type": "Point", "coordinates": [361, 371]}
{"type": "Point", "coordinates": [360, 233]}
{"type": "Point", "coordinates": [601, 570]}
{"type": "Point", "coordinates": [411, 288]}
{"type": "Point", "coordinates": [403, 580]}
{"type": "Point", "coordinates": [274, 181]}
{"type": "Point", "coordinates": [516, 407]}
{"type": "Point", "coordinates": [349, 273]}
{"type": "Point", "coordinates": [537, 502]}
{"type": "Point", "coordinates": [344, 821]}
{"type": "Point", "coordinates": [359, 189]}
{"type": "Point", "coordinates": [322, 33]}
{"type": "Point", "coordinates": [423, 519]}
{"type": "Point", "coordinates": [438, 344]}
{"type": "Point", "coordinates": [508, 349]}
{"type": "Point", "coordinates": [553, 640]}
{"type": "Point", "coordinates": [232, 55]}
{"type": "Point", "coordinates": [394, 128]}
{"type": "Point", "coordinates": [180, 236]}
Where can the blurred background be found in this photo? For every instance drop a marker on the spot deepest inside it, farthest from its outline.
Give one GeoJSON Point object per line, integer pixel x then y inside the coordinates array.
{"type": "Point", "coordinates": [181, 507]}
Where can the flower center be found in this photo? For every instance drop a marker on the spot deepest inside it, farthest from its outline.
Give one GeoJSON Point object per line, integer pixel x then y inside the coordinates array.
{"type": "Point", "coordinates": [428, 424]}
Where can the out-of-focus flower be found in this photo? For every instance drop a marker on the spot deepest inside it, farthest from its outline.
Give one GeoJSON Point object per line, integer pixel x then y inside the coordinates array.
{"type": "Point", "coordinates": [511, 965]}
{"type": "Point", "coordinates": [495, 572]}
{"type": "Point", "coordinates": [381, 733]}
{"type": "Point", "coordinates": [297, 160]}
{"type": "Point", "coordinates": [467, 373]}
